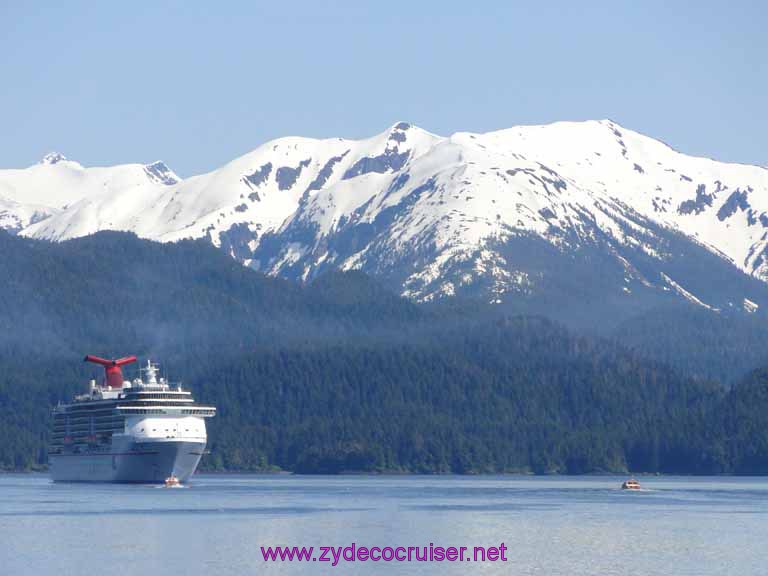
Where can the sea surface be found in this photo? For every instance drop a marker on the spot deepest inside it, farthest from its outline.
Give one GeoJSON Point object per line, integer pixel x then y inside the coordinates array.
{"type": "Point", "coordinates": [551, 526]}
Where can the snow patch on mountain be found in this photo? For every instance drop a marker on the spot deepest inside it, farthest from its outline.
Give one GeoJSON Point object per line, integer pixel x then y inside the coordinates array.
{"type": "Point", "coordinates": [687, 295]}
{"type": "Point", "coordinates": [750, 306]}
{"type": "Point", "coordinates": [15, 216]}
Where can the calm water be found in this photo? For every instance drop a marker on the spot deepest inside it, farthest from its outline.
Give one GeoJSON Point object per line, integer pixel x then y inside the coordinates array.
{"type": "Point", "coordinates": [552, 526]}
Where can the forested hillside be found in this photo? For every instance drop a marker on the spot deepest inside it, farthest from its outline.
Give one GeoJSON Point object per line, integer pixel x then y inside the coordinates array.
{"type": "Point", "coordinates": [698, 342]}
{"type": "Point", "coordinates": [342, 375]}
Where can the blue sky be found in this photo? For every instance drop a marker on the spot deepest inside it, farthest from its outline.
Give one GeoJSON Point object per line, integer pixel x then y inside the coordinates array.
{"type": "Point", "coordinates": [198, 83]}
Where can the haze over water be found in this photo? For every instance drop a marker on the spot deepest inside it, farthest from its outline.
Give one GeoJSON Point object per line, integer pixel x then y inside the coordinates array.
{"type": "Point", "coordinates": [551, 526]}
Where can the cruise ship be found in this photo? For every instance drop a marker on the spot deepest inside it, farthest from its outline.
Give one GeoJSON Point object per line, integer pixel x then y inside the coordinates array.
{"type": "Point", "coordinates": [146, 430]}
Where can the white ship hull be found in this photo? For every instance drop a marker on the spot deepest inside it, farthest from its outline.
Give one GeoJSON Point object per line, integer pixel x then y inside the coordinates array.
{"type": "Point", "coordinates": [127, 461]}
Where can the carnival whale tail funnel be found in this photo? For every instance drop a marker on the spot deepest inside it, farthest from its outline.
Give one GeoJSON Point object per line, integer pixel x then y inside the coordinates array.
{"type": "Point", "coordinates": [113, 373]}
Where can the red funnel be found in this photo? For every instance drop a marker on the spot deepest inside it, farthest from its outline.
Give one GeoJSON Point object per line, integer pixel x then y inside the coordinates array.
{"type": "Point", "coordinates": [114, 376]}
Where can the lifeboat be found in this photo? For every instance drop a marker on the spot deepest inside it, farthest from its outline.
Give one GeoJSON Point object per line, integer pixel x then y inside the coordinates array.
{"type": "Point", "coordinates": [630, 484]}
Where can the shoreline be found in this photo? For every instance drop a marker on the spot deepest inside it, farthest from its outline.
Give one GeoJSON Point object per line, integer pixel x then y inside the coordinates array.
{"type": "Point", "coordinates": [223, 473]}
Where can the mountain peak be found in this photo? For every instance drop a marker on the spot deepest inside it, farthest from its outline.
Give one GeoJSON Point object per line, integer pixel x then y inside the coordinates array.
{"type": "Point", "coordinates": [401, 129]}
{"type": "Point", "coordinates": [398, 131]}
{"type": "Point", "coordinates": [159, 172]}
{"type": "Point", "coordinates": [53, 158]}
{"type": "Point", "coordinates": [403, 126]}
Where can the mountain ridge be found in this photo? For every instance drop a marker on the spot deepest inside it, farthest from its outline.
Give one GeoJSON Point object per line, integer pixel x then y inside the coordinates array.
{"type": "Point", "coordinates": [435, 216]}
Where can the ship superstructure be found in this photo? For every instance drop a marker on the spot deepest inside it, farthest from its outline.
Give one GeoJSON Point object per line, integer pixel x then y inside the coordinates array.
{"type": "Point", "coordinates": [143, 431]}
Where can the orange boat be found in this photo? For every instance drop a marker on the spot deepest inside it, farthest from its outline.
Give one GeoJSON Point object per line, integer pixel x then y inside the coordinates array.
{"type": "Point", "coordinates": [172, 482]}
{"type": "Point", "coordinates": [630, 484]}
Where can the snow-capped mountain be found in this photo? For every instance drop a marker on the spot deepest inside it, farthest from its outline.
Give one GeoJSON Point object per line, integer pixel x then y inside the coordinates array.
{"type": "Point", "coordinates": [63, 188]}
{"type": "Point", "coordinates": [586, 208]}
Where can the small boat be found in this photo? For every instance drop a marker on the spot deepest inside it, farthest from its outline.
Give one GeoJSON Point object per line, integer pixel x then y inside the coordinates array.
{"type": "Point", "coordinates": [172, 482]}
{"type": "Point", "coordinates": [630, 484]}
